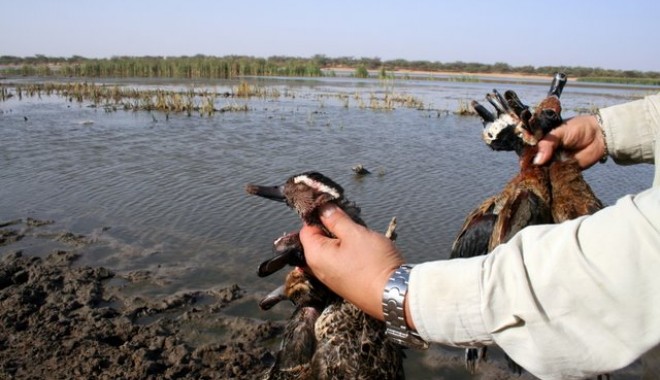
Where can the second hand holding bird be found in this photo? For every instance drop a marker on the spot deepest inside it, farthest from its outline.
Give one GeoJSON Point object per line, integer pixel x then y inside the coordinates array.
{"type": "Point", "coordinates": [581, 136]}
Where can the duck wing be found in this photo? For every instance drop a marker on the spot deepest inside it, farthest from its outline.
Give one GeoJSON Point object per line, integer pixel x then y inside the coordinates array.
{"type": "Point", "coordinates": [474, 237]}
{"type": "Point", "coordinates": [525, 201]}
{"type": "Point", "coordinates": [297, 348]}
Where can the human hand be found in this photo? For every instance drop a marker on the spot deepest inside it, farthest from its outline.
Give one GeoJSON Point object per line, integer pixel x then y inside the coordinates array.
{"type": "Point", "coordinates": [580, 136]}
{"type": "Point", "coordinates": [356, 264]}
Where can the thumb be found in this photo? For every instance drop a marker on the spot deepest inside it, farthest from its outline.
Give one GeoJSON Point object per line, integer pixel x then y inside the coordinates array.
{"type": "Point", "coordinates": [547, 145]}
{"type": "Point", "coordinates": [337, 221]}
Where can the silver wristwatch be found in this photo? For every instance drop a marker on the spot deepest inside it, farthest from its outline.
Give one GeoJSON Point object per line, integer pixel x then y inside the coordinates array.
{"type": "Point", "coordinates": [395, 320]}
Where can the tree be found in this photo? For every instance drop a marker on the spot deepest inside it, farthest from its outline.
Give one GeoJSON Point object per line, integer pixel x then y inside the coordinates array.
{"type": "Point", "coordinates": [361, 72]}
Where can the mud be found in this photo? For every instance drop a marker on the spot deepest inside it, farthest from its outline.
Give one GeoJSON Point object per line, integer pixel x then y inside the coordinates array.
{"type": "Point", "coordinates": [62, 321]}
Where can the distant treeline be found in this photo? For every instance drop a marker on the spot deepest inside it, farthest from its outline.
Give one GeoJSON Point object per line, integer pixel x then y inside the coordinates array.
{"type": "Point", "coordinates": [202, 66]}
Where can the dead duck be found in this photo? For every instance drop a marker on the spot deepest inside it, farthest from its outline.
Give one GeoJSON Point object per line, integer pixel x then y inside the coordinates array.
{"type": "Point", "coordinates": [298, 346]}
{"type": "Point", "coordinates": [527, 198]}
{"type": "Point", "coordinates": [517, 128]}
{"type": "Point", "coordinates": [524, 201]}
{"type": "Point", "coordinates": [347, 343]}
{"type": "Point", "coordinates": [536, 195]}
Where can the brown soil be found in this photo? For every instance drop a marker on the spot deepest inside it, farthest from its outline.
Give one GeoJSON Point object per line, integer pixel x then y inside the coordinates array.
{"type": "Point", "coordinates": [62, 321]}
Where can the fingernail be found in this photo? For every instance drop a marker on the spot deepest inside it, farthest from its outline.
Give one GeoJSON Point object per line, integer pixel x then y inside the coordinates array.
{"type": "Point", "coordinates": [328, 210]}
{"type": "Point", "coordinates": [537, 159]}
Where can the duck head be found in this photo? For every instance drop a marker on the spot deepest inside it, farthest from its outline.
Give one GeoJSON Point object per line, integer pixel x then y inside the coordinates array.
{"type": "Point", "coordinates": [299, 339]}
{"type": "Point", "coordinates": [305, 193]}
{"type": "Point", "coordinates": [501, 132]}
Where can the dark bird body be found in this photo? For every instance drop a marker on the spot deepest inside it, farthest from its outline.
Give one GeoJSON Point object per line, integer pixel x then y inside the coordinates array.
{"type": "Point", "coordinates": [572, 196]}
{"type": "Point", "coordinates": [326, 336]}
{"type": "Point", "coordinates": [299, 343]}
{"type": "Point", "coordinates": [536, 195]}
{"type": "Point", "coordinates": [525, 200]}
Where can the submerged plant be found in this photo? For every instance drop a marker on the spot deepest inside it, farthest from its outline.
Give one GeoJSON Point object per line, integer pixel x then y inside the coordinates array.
{"type": "Point", "coordinates": [464, 108]}
{"type": "Point", "coordinates": [115, 97]}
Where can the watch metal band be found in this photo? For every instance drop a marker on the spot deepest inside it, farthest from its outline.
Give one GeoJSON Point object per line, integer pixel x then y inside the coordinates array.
{"type": "Point", "coordinates": [393, 311]}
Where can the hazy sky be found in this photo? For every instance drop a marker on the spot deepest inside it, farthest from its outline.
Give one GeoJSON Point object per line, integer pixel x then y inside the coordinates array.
{"type": "Point", "coordinates": [603, 33]}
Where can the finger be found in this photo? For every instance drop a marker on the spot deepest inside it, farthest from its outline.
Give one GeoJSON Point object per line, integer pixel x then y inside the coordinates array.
{"type": "Point", "coordinates": [312, 229]}
{"type": "Point", "coordinates": [587, 157]}
{"type": "Point", "coordinates": [546, 148]}
{"type": "Point", "coordinates": [318, 249]}
{"type": "Point", "coordinates": [313, 236]}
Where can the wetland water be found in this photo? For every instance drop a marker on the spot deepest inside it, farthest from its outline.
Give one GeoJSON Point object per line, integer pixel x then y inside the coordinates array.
{"type": "Point", "coordinates": [167, 194]}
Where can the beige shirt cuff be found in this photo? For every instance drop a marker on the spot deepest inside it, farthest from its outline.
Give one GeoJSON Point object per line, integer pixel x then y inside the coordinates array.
{"type": "Point", "coordinates": [444, 299]}
{"type": "Point", "coordinates": [630, 130]}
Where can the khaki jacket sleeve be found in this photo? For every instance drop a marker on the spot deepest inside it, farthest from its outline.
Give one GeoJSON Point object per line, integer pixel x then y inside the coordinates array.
{"type": "Point", "coordinates": [564, 301]}
{"type": "Point", "coordinates": [632, 132]}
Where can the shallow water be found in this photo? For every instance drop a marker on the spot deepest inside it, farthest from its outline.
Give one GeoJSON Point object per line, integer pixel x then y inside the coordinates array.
{"type": "Point", "coordinates": [168, 194]}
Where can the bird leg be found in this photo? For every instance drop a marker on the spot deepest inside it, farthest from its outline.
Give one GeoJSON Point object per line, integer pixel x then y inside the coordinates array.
{"type": "Point", "coordinates": [547, 115]}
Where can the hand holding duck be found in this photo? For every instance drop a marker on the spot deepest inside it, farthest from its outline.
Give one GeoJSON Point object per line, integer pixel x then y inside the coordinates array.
{"type": "Point", "coordinates": [356, 264]}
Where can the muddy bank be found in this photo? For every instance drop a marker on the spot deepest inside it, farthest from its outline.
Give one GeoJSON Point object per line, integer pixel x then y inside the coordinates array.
{"type": "Point", "coordinates": [61, 321]}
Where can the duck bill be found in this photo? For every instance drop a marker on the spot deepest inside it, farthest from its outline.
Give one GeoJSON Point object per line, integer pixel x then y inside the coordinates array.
{"type": "Point", "coordinates": [273, 298]}
{"type": "Point", "coordinates": [287, 251]}
{"type": "Point", "coordinates": [270, 192]}
{"type": "Point", "coordinates": [484, 113]}
{"type": "Point", "coordinates": [272, 265]}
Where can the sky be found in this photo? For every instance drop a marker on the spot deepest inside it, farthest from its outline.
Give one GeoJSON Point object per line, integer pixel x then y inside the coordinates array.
{"type": "Point", "coordinates": [621, 35]}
